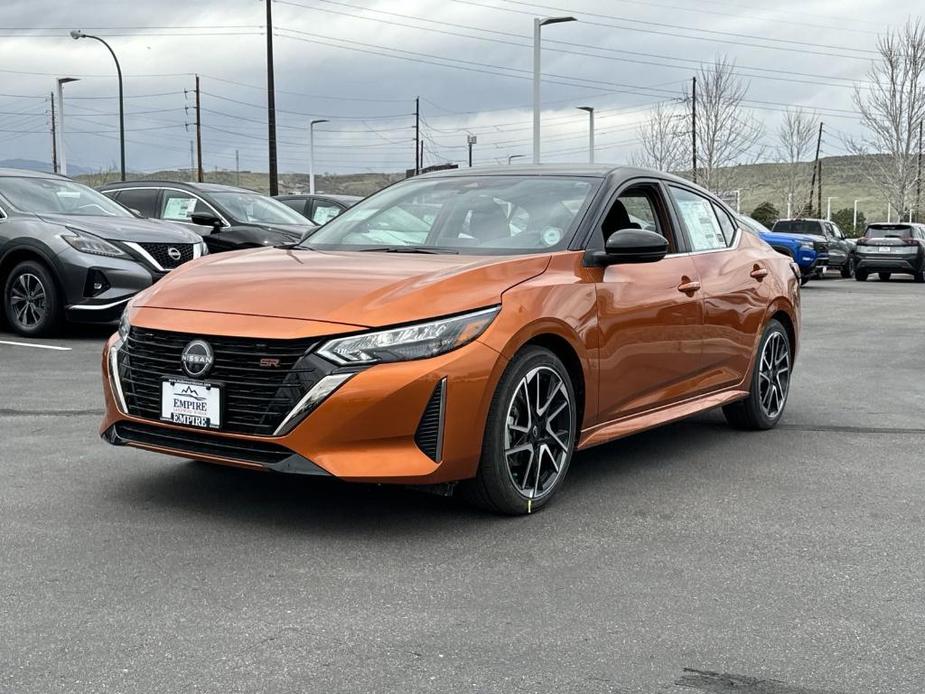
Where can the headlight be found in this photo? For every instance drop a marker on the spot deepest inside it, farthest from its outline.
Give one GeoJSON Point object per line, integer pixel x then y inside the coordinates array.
{"type": "Point", "coordinates": [124, 325]}
{"type": "Point", "coordinates": [418, 341]}
{"type": "Point", "coordinates": [806, 246]}
{"type": "Point", "coordinates": [87, 243]}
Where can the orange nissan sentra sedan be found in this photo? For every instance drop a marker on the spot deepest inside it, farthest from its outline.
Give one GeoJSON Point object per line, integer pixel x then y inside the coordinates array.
{"type": "Point", "coordinates": [472, 326]}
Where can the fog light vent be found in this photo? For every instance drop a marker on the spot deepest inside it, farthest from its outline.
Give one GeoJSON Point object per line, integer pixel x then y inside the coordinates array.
{"type": "Point", "coordinates": [96, 283]}
{"type": "Point", "coordinates": [429, 436]}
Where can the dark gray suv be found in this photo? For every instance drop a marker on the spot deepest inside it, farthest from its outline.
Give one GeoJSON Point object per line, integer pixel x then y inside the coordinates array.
{"type": "Point", "coordinates": [69, 252]}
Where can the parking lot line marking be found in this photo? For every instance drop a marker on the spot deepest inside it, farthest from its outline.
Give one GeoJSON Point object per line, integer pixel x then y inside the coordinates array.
{"type": "Point", "coordinates": [37, 346]}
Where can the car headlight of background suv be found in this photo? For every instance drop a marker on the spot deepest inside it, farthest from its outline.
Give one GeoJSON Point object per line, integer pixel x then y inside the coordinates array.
{"type": "Point", "coordinates": [418, 341]}
{"type": "Point", "coordinates": [88, 243]}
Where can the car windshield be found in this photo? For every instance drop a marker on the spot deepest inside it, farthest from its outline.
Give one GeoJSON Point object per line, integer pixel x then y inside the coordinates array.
{"type": "Point", "coordinates": [254, 208]}
{"type": "Point", "coordinates": [798, 226]}
{"type": "Point", "coordinates": [471, 214]}
{"type": "Point", "coordinates": [57, 196]}
{"type": "Point", "coordinates": [889, 231]}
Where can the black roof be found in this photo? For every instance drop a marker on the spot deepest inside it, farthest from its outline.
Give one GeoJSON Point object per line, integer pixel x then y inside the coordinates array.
{"type": "Point", "coordinates": [587, 170]}
{"type": "Point", "coordinates": [183, 185]}
{"type": "Point", "coordinates": [328, 196]}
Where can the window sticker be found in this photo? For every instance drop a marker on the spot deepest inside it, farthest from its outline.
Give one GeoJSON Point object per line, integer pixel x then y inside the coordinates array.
{"type": "Point", "coordinates": [701, 223]}
{"type": "Point", "coordinates": [179, 208]}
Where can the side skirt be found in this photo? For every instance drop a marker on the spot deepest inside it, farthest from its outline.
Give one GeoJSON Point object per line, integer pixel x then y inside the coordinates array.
{"type": "Point", "coordinates": [603, 433]}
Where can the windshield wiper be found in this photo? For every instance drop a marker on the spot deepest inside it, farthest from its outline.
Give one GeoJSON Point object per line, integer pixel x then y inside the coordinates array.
{"type": "Point", "coordinates": [429, 250]}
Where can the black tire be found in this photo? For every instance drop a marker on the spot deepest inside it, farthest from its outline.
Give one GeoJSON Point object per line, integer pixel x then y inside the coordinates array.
{"type": "Point", "coordinates": [32, 275]}
{"type": "Point", "coordinates": [919, 276]}
{"type": "Point", "coordinates": [860, 275]}
{"type": "Point", "coordinates": [752, 413]}
{"type": "Point", "coordinates": [884, 276]}
{"type": "Point", "coordinates": [804, 278]}
{"type": "Point", "coordinates": [847, 270]}
{"type": "Point", "coordinates": [494, 487]}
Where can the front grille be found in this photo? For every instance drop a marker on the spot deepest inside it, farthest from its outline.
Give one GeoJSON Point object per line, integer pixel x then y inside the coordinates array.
{"type": "Point", "coordinates": [162, 254]}
{"type": "Point", "coordinates": [430, 430]}
{"type": "Point", "coordinates": [261, 380]}
{"type": "Point", "coordinates": [203, 444]}
{"type": "Point", "coordinates": [820, 246]}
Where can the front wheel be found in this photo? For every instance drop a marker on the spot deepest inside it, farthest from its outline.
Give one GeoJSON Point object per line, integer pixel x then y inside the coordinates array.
{"type": "Point", "coordinates": [860, 275]}
{"type": "Point", "coordinates": [31, 300]}
{"type": "Point", "coordinates": [770, 385]}
{"type": "Point", "coordinates": [529, 437]}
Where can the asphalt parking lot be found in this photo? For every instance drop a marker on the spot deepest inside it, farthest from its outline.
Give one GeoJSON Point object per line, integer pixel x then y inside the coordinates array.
{"type": "Point", "coordinates": [691, 558]}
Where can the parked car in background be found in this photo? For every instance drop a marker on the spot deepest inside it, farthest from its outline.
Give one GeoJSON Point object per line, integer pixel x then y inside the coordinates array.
{"type": "Point", "coordinates": [891, 249]}
{"type": "Point", "coordinates": [423, 337]}
{"type": "Point", "coordinates": [67, 252]}
{"type": "Point", "coordinates": [811, 254]}
{"type": "Point", "coordinates": [319, 208]}
{"type": "Point", "coordinates": [227, 217]}
{"type": "Point", "coordinates": [840, 248]}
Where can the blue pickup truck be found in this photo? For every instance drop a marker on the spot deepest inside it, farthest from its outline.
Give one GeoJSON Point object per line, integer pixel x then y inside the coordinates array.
{"type": "Point", "coordinates": [812, 255]}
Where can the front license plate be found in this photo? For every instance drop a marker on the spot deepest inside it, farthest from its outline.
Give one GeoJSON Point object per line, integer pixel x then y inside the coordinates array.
{"type": "Point", "coordinates": [191, 403]}
{"type": "Point", "coordinates": [883, 249]}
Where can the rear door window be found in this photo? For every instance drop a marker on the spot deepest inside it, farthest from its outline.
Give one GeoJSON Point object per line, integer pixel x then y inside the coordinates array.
{"type": "Point", "coordinates": [300, 206]}
{"type": "Point", "coordinates": [142, 200]}
{"type": "Point", "coordinates": [696, 212]}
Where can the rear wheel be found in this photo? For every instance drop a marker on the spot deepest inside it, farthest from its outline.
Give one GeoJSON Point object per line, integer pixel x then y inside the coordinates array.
{"type": "Point", "coordinates": [804, 278]}
{"type": "Point", "coordinates": [919, 276]}
{"type": "Point", "coordinates": [847, 270]}
{"type": "Point", "coordinates": [770, 385]}
{"type": "Point", "coordinates": [860, 275]}
{"type": "Point", "coordinates": [31, 300]}
{"type": "Point", "coordinates": [884, 276]}
{"type": "Point", "coordinates": [529, 437]}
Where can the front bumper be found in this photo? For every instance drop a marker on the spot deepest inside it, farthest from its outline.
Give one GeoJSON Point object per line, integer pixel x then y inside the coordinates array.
{"type": "Point", "coordinates": [96, 288]}
{"type": "Point", "coordinates": [364, 431]}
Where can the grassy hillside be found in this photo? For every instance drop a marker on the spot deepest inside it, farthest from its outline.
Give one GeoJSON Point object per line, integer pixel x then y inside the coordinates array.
{"type": "Point", "coordinates": [843, 178]}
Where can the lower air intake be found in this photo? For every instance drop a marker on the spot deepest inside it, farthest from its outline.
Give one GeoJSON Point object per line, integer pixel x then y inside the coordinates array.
{"type": "Point", "coordinates": [429, 435]}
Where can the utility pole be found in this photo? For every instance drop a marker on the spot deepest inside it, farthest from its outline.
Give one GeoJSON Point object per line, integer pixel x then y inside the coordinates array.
{"type": "Point", "coordinates": [471, 140]}
{"type": "Point", "coordinates": [812, 184]}
{"type": "Point", "coordinates": [192, 159]}
{"type": "Point", "coordinates": [819, 205]}
{"type": "Point", "coordinates": [694, 125]}
{"type": "Point", "coordinates": [421, 157]}
{"type": "Point", "coordinates": [271, 104]}
{"type": "Point", "coordinates": [918, 177]}
{"type": "Point", "coordinates": [54, 137]}
{"type": "Point", "coordinates": [199, 176]}
{"type": "Point", "coordinates": [417, 136]}
{"type": "Point", "coordinates": [237, 169]}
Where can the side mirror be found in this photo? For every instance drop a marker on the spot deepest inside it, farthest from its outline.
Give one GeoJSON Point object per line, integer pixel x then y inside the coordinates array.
{"type": "Point", "coordinates": [632, 246]}
{"type": "Point", "coordinates": [207, 220]}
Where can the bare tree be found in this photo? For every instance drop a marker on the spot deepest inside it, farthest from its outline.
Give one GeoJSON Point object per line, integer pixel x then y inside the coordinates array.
{"type": "Point", "coordinates": [726, 133]}
{"type": "Point", "coordinates": [796, 137]}
{"type": "Point", "coordinates": [663, 140]}
{"type": "Point", "coordinates": [891, 106]}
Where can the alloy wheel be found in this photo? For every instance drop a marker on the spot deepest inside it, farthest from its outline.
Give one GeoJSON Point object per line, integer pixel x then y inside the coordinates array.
{"type": "Point", "coordinates": [538, 432]}
{"type": "Point", "coordinates": [28, 300]}
{"type": "Point", "coordinates": [774, 375]}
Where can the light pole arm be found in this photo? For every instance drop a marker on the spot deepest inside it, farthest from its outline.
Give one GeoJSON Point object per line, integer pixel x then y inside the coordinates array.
{"type": "Point", "coordinates": [121, 101]}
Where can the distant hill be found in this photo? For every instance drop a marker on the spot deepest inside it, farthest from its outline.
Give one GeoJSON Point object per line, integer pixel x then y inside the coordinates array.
{"type": "Point", "coordinates": [843, 179]}
{"type": "Point", "coordinates": [35, 165]}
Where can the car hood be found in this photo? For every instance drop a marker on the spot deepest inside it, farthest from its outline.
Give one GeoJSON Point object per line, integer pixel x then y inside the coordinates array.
{"type": "Point", "coordinates": [354, 288]}
{"type": "Point", "coordinates": [125, 228]}
{"type": "Point", "coordinates": [784, 236]}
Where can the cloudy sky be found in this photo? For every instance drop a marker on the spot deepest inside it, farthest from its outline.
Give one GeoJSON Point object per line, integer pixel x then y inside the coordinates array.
{"type": "Point", "coordinates": [361, 63]}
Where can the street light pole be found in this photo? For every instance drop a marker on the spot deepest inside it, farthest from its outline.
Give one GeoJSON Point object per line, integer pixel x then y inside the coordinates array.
{"type": "Point", "coordinates": [590, 110]}
{"type": "Point", "coordinates": [78, 34]}
{"type": "Point", "coordinates": [511, 157]}
{"type": "Point", "coordinates": [311, 153]}
{"type": "Point", "coordinates": [789, 205]}
{"type": "Point", "coordinates": [471, 140]}
{"type": "Point", "coordinates": [62, 153]}
{"type": "Point", "coordinates": [538, 24]}
{"type": "Point", "coordinates": [854, 224]}
{"type": "Point", "coordinates": [828, 207]}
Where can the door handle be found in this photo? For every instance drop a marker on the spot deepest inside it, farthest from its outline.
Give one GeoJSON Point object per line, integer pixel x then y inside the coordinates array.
{"type": "Point", "coordinates": [689, 287]}
{"type": "Point", "coordinates": [759, 273]}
